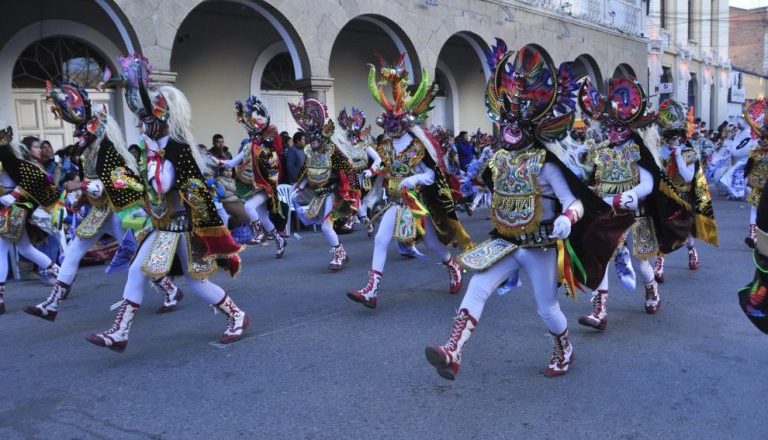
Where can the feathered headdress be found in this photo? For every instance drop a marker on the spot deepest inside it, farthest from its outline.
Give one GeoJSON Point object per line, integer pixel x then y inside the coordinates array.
{"type": "Point", "coordinates": [625, 102]}
{"type": "Point", "coordinates": [253, 115]}
{"type": "Point", "coordinates": [312, 117]}
{"type": "Point", "coordinates": [70, 102]}
{"type": "Point", "coordinates": [480, 139]}
{"type": "Point", "coordinates": [144, 100]}
{"type": "Point", "coordinates": [526, 87]}
{"type": "Point", "coordinates": [354, 122]}
{"type": "Point", "coordinates": [673, 118]}
{"type": "Point", "coordinates": [755, 116]}
{"type": "Point", "coordinates": [416, 105]}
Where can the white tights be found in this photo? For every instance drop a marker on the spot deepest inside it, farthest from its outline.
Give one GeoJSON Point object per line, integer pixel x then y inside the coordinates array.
{"type": "Point", "coordinates": [134, 286]}
{"type": "Point", "coordinates": [256, 209]}
{"type": "Point", "coordinates": [752, 215]}
{"type": "Point", "coordinates": [644, 268]}
{"type": "Point", "coordinates": [327, 226]}
{"type": "Point", "coordinates": [25, 248]}
{"type": "Point", "coordinates": [79, 246]}
{"type": "Point", "coordinates": [541, 266]}
{"type": "Point", "coordinates": [386, 232]}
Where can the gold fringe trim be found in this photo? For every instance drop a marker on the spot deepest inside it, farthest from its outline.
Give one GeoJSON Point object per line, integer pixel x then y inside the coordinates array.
{"type": "Point", "coordinates": [706, 229]}
{"type": "Point", "coordinates": [515, 205]}
{"type": "Point", "coordinates": [615, 187]}
{"type": "Point", "coordinates": [672, 194]}
{"type": "Point", "coordinates": [212, 231]}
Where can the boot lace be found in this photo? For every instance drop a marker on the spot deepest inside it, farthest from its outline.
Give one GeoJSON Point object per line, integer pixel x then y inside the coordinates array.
{"type": "Point", "coordinates": [459, 324]}
{"type": "Point", "coordinates": [558, 355]}
{"type": "Point", "coordinates": [121, 306]}
{"type": "Point", "coordinates": [659, 266]}
{"type": "Point", "coordinates": [596, 305]}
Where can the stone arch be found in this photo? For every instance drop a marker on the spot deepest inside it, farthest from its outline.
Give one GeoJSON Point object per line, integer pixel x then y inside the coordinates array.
{"type": "Point", "coordinates": [15, 45]}
{"type": "Point", "coordinates": [586, 66]}
{"type": "Point", "coordinates": [624, 69]}
{"type": "Point", "coordinates": [461, 63]}
{"type": "Point", "coordinates": [353, 48]}
{"type": "Point", "coordinates": [122, 24]}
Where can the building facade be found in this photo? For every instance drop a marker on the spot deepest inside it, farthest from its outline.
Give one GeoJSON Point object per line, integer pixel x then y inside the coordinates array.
{"type": "Point", "coordinates": [688, 57]}
{"type": "Point", "coordinates": [219, 51]}
{"type": "Point", "coordinates": [748, 29]}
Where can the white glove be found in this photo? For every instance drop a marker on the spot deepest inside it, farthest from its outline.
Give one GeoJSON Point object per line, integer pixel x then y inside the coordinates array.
{"type": "Point", "coordinates": [7, 200]}
{"type": "Point", "coordinates": [561, 228]}
{"type": "Point", "coordinates": [95, 188]}
{"type": "Point", "coordinates": [367, 173]}
{"type": "Point", "coordinates": [408, 183]}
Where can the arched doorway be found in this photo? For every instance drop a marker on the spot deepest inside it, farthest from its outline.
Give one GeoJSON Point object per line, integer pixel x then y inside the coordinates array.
{"type": "Point", "coordinates": [353, 49]}
{"type": "Point", "coordinates": [55, 59]}
{"type": "Point", "coordinates": [586, 67]}
{"type": "Point", "coordinates": [462, 63]}
{"type": "Point", "coordinates": [226, 50]}
{"type": "Point", "coordinates": [98, 24]}
{"type": "Point", "coordinates": [624, 69]}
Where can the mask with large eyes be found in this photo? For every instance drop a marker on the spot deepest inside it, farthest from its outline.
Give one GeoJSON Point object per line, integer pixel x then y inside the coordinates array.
{"type": "Point", "coordinates": [617, 132]}
{"type": "Point", "coordinates": [516, 136]}
{"type": "Point", "coordinates": [395, 125]}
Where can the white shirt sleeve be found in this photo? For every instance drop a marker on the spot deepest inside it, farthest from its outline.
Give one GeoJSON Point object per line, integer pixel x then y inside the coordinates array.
{"type": "Point", "coordinates": [235, 161]}
{"type": "Point", "coordinates": [424, 176]}
{"type": "Point", "coordinates": [645, 187]}
{"type": "Point", "coordinates": [552, 175]}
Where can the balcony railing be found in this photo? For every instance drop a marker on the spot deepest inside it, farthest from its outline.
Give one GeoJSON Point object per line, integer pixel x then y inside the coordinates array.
{"type": "Point", "coordinates": [620, 15]}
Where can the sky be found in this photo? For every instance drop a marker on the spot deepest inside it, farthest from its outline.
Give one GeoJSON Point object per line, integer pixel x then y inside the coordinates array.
{"type": "Point", "coordinates": [749, 3]}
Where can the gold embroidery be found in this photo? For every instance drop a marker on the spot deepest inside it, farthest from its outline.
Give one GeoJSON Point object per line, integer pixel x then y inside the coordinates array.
{"type": "Point", "coordinates": [615, 168]}
{"type": "Point", "coordinates": [92, 223]}
{"type": "Point", "coordinates": [516, 203]}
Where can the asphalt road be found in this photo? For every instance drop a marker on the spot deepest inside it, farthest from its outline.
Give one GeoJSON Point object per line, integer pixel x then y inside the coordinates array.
{"type": "Point", "coordinates": [316, 366]}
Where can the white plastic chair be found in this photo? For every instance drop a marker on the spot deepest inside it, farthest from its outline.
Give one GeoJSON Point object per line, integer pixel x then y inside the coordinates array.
{"type": "Point", "coordinates": [284, 191]}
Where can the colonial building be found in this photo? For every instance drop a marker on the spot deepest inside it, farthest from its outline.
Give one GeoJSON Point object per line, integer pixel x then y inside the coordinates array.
{"type": "Point", "coordinates": [219, 51]}
{"type": "Point", "coordinates": [749, 57]}
{"type": "Point", "coordinates": [688, 55]}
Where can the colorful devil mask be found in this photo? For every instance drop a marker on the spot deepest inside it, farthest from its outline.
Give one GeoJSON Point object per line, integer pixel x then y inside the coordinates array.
{"type": "Point", "coordinates": [143, 98]}
{"type": "Point", "coordinates": [405, 110]}
{"type": "Point", "coordinates": [527, 97]}
{"type": "Point", "coordinates": [755, 115]}
{"type": "Point", "coordinates": [70, 103]}
{"type": "Point", "coordinates": [311, 115]}
{"type": "Point", "coordinates": [674, 120]}
{"type": "Point", "coordinates": [622, 110]}
{"type": "Point", "coordinates": [253, 115]}
{"type": "Point", "coordinates": [354, 124]}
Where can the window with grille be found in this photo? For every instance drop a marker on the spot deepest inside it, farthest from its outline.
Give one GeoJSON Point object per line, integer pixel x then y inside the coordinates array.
{"type": "Point", "coordinates": [58, 59]}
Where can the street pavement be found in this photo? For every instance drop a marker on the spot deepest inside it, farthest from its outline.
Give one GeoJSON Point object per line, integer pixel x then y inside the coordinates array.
{"type": "Point", "coordinates": [316, 366]}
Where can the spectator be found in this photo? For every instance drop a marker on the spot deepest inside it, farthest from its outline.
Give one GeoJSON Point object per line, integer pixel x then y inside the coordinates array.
{"type": "Point", "coordinates": [32, 145]}
{"type": "Point", "coordinates": [233, 205]}
{"type": "Point", "coordinates": [219, 150]}
{"type": "Point", "coordinates": [465, 149]}
{"type": "Point", "coordinates": [294, 157]}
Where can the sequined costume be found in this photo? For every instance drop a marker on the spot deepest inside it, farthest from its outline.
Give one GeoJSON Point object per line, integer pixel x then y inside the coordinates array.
{"type": "Point", "coordinates": [327, 184]}
{"type": "Point", "coordinates": [420, 203]}
{"type": "Point", "coordinates": [258, 170]}
{"type": "Point", "coordinates": [109, 183]}
{"type": "Point", "coordinates": [545, 220]}
{"type": "Point", "coordinates": [355, 140]}
{"type": "Point", "coordinates": [681, 163]}
{"type": "Point", "coordinates": [624, 172]}
{"type": "Point", "coordinates": [187, 233]}
{"type": "Point", "coordinates": [25, 187]}
{"type": "Point", "coordinates": [756, 168]}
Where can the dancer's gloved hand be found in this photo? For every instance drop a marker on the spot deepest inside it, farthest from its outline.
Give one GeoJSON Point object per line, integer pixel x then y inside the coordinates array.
{"type": "Point", "coordinates": [367, 173]}
{"type": "Point", "coordinates": [408, 183]}
{"type": "Point", "coordinates": [7, 200]}
{"type": "Point", "coordinates": [562, 228]}
{"type": "Point", "coordinates": [95, 188]}
{"type": "Point", "coordinates": [627, 200]}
